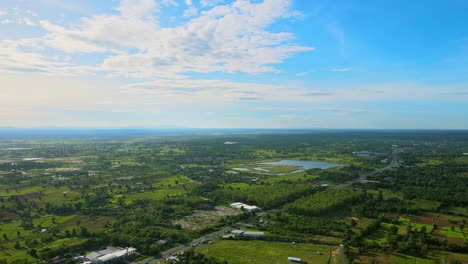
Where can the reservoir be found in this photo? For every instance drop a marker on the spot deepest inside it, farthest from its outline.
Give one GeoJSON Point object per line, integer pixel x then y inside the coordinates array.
{"type": "Point", "coordinates": [305, 164]}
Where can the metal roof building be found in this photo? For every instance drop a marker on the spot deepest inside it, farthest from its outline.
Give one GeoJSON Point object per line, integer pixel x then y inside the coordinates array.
{"type": "Point", "coordinates": [110, 255]}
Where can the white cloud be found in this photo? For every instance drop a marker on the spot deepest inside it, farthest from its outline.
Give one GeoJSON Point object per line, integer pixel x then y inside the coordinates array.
{"type": "Point", "coordinates": [2, 12]}
{"type": "Point", "coordinates": [212, 41]}
{"type": "Point", "coordinates": [137, 8]}
{"type": "Point", "coordinates": [191, 12]}
{"type": "Point", "coordinates": [28, 22]}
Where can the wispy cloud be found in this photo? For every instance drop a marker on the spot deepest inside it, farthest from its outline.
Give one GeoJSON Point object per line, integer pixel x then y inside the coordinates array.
{"type": "Point", "coordinates": [336, 69]}
{"type": "Point", "coordinates": [299, 74]}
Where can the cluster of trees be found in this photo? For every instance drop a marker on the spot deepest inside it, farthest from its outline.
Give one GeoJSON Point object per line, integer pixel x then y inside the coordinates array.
{"type": "Point", "coordinates": [326, 201]}
{"type": "Point", "coordinates": [375, 207]}
{"type": "Point", "coordinates": [265, 196]}
{"type": "Point", "coordinates": [340, 175]}
{"type": "Point", "coordinates": [192, 257]}
{"type": "Point", "coordinates": [440, 183]}
{"type": "Point", "coordinates": [289, 227]}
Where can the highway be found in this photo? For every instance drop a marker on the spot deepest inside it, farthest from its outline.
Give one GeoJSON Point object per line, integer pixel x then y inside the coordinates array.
{"type": "Point", "coordinates": [393, 164]}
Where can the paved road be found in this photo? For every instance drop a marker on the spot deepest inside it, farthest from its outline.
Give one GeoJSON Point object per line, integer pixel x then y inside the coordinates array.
{"type": "Point", "coordinates": [181, 248]}
{"type": "Point", "coordinates": [343, 260]}
{"type": "Point", "coordinates": [393, 164]}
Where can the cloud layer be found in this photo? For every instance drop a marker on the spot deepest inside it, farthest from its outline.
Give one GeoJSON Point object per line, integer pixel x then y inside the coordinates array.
{"type": "Point", "coordinates": [224, 38]}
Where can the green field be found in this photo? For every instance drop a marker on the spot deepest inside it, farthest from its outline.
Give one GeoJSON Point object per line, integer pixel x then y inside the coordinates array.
{"type": "Point", "coordinates": [155, 195]}
{"type": "Point", "coordinates": [456, 233]}
{"type": "Point", "coordinates": [283, 169]}
{"type": "Point", "coordinates": [244, 252]}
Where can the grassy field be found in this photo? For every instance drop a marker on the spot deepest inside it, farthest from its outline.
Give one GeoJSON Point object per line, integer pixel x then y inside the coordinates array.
{"type": "Point", "coordinates": [244, 252]}
{"type": "Point", "coordinates": [437, 257]}
{"type": "Point", "coordinates": [155, 195]}
{"type": "Point", "coordinates": [297, 176]}
{"type": "Point", "coordinates": [456, 233]}
{"type": "Point", "coordinates": [283, 169]}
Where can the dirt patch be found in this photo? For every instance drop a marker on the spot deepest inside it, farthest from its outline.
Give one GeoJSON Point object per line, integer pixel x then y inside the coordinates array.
{"type": "Point", "coordinates": [205, 218]}
{"type": "Point", "coordinates": [8, 216]}
{"type": "Point", "coordinates": [335, 255]}
{"type": "Point", "coordinates": [454, 240]}
{"type": "Point", "coordinates": [438, 219]}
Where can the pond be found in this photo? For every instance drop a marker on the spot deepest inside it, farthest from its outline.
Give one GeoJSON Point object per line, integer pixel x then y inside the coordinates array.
{"type": "Point", "coordinates": [305, 164]}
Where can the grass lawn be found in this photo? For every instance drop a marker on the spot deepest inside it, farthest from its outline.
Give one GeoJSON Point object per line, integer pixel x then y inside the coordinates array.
{"type": "Point", "coordinates": [172, 181]}
{"type": "Point", "coordinates": [244, 252]}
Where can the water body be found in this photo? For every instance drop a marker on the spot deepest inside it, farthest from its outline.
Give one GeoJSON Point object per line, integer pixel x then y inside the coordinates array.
{"type": "Point", "coordinates": [368, 154]}
{"type": "Point", "coordinates": [241, 169]}
{"type": "Point", "coordinates": [304, 164]}
{"type": "Point", "coordinates": [32, 159]}
{"type": "Point", "coordinates": [16, 148]}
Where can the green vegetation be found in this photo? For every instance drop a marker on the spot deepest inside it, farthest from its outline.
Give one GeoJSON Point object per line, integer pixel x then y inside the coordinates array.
{"type": "Point", "coordinates": [265, 196]}
{"type": "Point", "coordinates": [137, 190]}
{"type": "Point", "coordinates": [325, 201]}
{"type": "Point", "coordinates": [244, 252]}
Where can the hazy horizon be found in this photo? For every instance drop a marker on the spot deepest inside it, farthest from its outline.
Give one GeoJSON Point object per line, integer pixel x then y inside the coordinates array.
{"type": "Point", "coordinates": [234, 64]}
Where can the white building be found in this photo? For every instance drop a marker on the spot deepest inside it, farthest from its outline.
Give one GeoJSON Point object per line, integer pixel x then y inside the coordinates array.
{"type": "Point", "coordinates": [246, 207]}
{"type": "Point", "coordinates": [251, 234]}
{"type": "Point", "coordinates": [110, 255]}
{"type": "Point", "coordinates": [294, 259]}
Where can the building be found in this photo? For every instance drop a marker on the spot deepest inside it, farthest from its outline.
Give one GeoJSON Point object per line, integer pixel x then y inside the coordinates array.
{"type": "Point", "coordinates": [110, 255]}
{"type": "Point", "coordinates": [294, 259]}
{"type": "Point", "coordinates": [247, 234]}
{"type": "Point", "coordinates": [245, 207]}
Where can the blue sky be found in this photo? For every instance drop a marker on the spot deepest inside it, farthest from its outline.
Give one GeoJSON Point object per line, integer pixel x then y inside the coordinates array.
{"type": "Point", "coordinates": [234, 64]}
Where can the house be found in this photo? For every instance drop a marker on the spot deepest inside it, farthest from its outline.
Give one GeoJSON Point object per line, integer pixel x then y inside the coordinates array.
{"type": "Point", "coordinates": [294, 259]}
